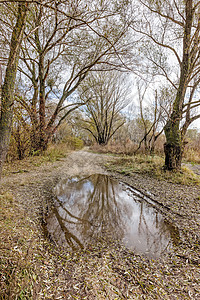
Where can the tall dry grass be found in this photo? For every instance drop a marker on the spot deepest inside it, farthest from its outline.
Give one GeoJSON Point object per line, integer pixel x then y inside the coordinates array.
{"type": "Point", "coordinates": [124, 147]}
{"type": "Point", "coordinates": [192, 155]}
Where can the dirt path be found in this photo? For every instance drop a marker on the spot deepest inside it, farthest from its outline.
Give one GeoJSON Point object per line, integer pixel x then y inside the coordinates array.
{"type": "Point", "coordinates": [35, 185]}
{"type": "Point", "coordinates": [105, 270]}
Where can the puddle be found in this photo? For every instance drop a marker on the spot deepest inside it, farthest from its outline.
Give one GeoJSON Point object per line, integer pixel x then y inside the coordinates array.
{"type": "Point", "coordinates": [87, 208]}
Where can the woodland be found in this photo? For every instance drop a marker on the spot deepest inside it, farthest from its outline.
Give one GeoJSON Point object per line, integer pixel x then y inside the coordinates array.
{"type": "Point", "coordinates": [99, 67]}
{"type": "Point", "coordinates": [109, 89]}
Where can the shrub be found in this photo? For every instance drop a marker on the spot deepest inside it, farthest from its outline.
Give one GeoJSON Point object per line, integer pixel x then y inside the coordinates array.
{"type": "Point", "coordinates": [73, 143]}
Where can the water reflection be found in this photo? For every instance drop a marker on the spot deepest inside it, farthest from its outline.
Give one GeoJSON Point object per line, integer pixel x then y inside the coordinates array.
{"type": "Point", "coordinates": [90, 207]}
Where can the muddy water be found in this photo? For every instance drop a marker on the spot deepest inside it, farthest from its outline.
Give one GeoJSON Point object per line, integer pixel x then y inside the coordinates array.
{"type": "Point", "coordinates": [87, 208]}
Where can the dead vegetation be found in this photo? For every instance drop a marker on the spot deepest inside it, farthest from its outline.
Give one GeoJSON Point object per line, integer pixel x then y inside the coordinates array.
{"type": "Point", "coordinates": [152, 166]}
{"type": "Point", "coordinates": [34, 268]}
{"type": "Point", "coordinates": [129, 148]}
{"type": "Point", "coordinates": [19, 248]}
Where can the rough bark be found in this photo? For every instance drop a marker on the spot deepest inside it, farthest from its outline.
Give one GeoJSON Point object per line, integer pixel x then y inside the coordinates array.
{"type": "Point", "coordinates": [173, 145]}
{"type": "Point", "coordinates": [173, 156]}
{"type": "Point", "coordinates": [7, 97]}
{"type": "Point", "coordinates": [174, 140]}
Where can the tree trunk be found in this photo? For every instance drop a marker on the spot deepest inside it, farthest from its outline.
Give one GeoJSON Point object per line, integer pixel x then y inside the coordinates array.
{"type": "Point", "coordinates": [173, 156]}
{"type": "Point", "coordinates": [7, 97]}
{"type": "Point", "coordinates": [35, 139]}
{"type": "Point", "coordinates": [42, 143]}
{"type": "Point", "coordinates": [173, 146]}
{"type": "Point", "coordinates": [174, 141]}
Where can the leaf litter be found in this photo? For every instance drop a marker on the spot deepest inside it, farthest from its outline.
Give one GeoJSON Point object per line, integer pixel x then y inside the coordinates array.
{"type": "Point", "coordinates": [33, 267]}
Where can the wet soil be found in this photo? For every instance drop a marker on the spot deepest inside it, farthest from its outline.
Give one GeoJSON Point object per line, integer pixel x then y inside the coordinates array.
{"type": "Point", "coordinates": [107, 269]}
{"type": "Point", "coordinates": [88, 208]}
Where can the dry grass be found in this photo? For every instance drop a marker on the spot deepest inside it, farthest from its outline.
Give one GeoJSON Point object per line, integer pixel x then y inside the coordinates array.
{"type": "Point", "coordinates": [127, 148]}
{"type": "Point", "coordinates": [191, 155]}
{"type": "Point", "coordinates": [55, 152]}
{"type": "Point", "coordinates": [152, 166]}
{"type": "Point", "coordinates": [21, 249]}
{"type": "Point", "coordinates": [31, 268]}
{"type": "Point", "coordinates": [18, 273]}
{"type": "Point", "coordinates": [148, 164]}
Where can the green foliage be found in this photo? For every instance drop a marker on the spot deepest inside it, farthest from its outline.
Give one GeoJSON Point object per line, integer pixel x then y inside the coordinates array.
{"type": "Point", "coordinates": [35, 152]}
{"type": "Point", "coordinates": [55, 152]}
{"type": "Point", "coordinates": [74, 143]}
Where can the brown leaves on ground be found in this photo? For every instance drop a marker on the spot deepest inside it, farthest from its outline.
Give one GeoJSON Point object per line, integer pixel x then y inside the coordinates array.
{"type": "Point", "coordinates": [34, 268]}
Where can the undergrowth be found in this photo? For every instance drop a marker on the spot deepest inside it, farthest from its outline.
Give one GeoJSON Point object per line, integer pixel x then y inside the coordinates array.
{"type": "Point", "coordinates": [152, 166]}
{"type": "Point", "coordinates": [55, 152]}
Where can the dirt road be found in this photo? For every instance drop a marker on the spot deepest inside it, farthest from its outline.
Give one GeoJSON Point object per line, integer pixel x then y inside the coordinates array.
{"type": "Point", "coordinates": [105, 270]}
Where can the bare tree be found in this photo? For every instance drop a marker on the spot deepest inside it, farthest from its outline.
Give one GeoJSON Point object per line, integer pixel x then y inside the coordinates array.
{"type": "Point", "coordinates": [68, 42]}
{"type": "Point", "coordinates": [152, 116]}
{"type": "Point", "coordinates": [54, 31]}
{"type": "Point", "coordinates": [105, 95]}
{"type": "Point", "coordinates": [170, 33]}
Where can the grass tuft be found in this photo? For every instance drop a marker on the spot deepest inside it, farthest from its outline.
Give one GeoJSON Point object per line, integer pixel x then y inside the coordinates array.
{"type": "Point", "coordinates": [55, 152]}
{"type": "Point", "coordinates": [152, 166]}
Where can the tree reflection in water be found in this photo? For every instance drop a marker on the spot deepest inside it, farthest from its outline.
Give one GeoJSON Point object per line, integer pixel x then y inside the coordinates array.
{"type": "Point", "coordinates": [89, 207]}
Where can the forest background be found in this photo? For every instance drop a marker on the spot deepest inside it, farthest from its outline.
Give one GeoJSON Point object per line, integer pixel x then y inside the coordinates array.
{"type": "Point", "coordinates": [122, 74]}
